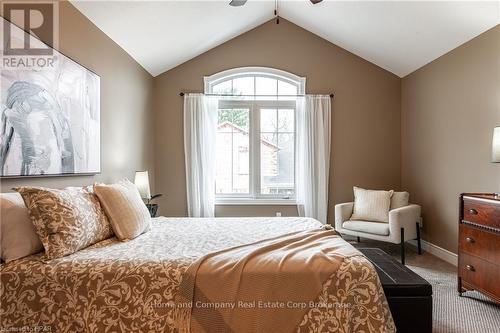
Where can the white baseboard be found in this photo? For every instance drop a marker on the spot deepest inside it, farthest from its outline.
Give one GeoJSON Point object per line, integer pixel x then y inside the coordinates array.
{"type": "Point", "coordinates": [439, 252]}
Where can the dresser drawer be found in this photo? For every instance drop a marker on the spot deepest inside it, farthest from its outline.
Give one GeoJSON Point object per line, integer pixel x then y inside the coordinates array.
{"type": "Point", "coordinates": [480, 243]}
{"type": "Point", "coordinates": [481, 274]}
{"type": "Point", "coordinates": [481, 212]}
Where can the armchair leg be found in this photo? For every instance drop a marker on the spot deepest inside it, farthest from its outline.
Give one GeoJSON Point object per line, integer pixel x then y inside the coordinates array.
{"type": "Point", "coordinates": [359, 240]}
{"type": "Point", "coordinates": [418, 239]}
{"type": "Point", "coordinates": [403, 246]}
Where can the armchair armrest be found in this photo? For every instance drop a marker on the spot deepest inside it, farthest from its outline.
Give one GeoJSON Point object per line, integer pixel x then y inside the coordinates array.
{"type": "Point", "coordinates": [343, 213]}
{"type": "Point", "coordinates": [404, 217]}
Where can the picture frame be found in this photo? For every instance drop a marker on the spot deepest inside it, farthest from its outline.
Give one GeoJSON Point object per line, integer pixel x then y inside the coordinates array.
{"type": "Point", "coordinates": [50, 119]}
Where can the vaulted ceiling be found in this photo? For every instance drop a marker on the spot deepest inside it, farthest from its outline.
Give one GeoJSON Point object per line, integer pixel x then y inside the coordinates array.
{"type": "Point", "coordinates": [399, 36]}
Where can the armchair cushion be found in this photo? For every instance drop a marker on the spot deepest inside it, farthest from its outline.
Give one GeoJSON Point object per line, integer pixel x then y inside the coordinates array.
{"type": "Point", "coordinates": [400, 199]}
{"type": "Point", "coordinates": [375, 228]}
{"type": "Point", "coordinates": [371, 205]}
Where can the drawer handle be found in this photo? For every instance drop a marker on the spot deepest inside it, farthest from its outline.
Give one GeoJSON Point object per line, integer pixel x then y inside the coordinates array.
{"type": "Point", "coordinates": [470, 268]}
{"type": "Point", "coordinates": [469, 240]}
{"type": "Point", "coordinates": [473, 211]}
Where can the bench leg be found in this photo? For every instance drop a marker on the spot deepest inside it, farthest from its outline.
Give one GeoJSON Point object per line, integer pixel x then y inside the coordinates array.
{"type": "Point", "coordinates": [359, 240]}
{"type": "Point", "coordinates": [418, 239]}
{"type": "Point", "coordinates": [459, 287]}
{"type": "Point", "coordinates": [403, 246]}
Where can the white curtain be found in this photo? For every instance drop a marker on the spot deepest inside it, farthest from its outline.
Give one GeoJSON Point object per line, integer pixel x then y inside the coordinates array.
{"type": "Point", "coordinates": [313, 155]}
{"type": "Point", "coordinates": [200, 126]}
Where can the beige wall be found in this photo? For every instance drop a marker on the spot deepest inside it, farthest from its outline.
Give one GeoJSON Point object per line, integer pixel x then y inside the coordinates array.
{"type": "Point", "coordinates": [126, 93]}
{"type": "Point", "coordinates": [366, 144]}
{"type": "Point", "coordinates": [449, 110]}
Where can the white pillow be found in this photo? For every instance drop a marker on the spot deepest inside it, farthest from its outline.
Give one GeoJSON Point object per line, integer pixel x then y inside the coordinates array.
{"type": "Point", "coordinates": [125, 209]}
{"type": "Point", "coordinates": [400, 199]}
{"type": "Point", "coordinates": [370, 205]}
{"type": "Point", "coordinates": [18, 236]}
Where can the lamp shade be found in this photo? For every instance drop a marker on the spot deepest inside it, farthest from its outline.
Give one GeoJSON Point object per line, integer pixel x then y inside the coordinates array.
{"type": "Point", "coordinates": [495, 150]}
{"type": "Point", "coordinates": [142, 183]}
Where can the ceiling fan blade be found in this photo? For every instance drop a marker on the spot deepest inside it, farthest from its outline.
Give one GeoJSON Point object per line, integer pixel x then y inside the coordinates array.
{"type": "Point", "coordinates": [237, 3]}
{"type": "Point", "coordinates": [316, 1]}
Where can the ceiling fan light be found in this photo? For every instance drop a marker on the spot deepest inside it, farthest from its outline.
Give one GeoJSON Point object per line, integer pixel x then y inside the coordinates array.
{"type": "Point", "coordinates": [316, 1]}
{"type": "Point", "coordinates": [237, 3]}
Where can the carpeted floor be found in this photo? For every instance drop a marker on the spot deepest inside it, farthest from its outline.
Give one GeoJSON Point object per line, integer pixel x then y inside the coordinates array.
{"type": "Point", "coordinates": [472, 313]}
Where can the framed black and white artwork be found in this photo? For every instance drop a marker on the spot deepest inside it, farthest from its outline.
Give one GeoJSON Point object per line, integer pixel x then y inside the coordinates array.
{"type": "Point", "coordinates": [50, 120]}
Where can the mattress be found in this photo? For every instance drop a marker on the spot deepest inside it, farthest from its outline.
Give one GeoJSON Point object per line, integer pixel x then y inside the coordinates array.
{"type": "Point", "coordinates": [128, 286]}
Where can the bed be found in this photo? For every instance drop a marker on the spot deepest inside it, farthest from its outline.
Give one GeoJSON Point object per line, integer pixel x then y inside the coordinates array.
{"type": "Point", "coordinates": [116, 286]}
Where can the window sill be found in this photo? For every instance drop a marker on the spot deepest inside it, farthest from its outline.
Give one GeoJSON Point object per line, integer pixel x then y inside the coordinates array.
{"type": "Point", "coordinates": [256, 202]}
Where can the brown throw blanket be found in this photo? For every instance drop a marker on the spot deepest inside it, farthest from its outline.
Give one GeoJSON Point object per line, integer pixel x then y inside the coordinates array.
{"type": "Point", "coordinates": [304, 281]}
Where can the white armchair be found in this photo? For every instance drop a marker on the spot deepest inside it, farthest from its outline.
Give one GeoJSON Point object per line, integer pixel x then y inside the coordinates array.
{"type": "Point", "coordinates": [403, 226]}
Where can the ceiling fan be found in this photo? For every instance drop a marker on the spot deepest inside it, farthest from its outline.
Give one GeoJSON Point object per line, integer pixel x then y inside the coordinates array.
{"type": "Point", "coordinates": [237, 3]}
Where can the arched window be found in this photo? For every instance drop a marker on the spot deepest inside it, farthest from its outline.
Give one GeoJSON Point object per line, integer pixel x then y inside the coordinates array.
{"type": "Point", "coordinates": [255, 82]}
{"type": "Point", "coordinates": [255, 149]}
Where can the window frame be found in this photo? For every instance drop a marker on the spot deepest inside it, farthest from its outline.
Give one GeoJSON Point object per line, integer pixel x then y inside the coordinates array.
{"type": "Point", "coordinates": [273, 73]}
{"type": "Point", "coordinates": [254, 106]}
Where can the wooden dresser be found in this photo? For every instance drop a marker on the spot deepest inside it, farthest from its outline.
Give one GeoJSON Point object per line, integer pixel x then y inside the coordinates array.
{"type": "Point", "coordinates": [479, 244]}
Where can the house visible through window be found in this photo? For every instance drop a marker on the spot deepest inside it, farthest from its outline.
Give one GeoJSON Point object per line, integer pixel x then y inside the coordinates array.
{"type": "Point", "coordinates": [255, 147]}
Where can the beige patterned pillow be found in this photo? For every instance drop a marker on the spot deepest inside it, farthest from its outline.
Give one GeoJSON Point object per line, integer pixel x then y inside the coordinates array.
{"type": "Point", "coordinates": [124, 206]}
{"type": "Point", "coordinates": [65, 220]}
{"type": "Point", "coordinates": [371, 205]}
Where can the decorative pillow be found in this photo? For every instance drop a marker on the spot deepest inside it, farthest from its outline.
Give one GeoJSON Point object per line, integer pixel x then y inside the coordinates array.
{"type": "Point", "coordinates": [18, 236]}
{"type": "Point", "coordinates": [66, 220]}
{"type": "Point", "coordinates": [371, 205]}
{"type": "Point", "coordinates": [123, 204]}
{"type": "Point", "coordinates": [400, 199]}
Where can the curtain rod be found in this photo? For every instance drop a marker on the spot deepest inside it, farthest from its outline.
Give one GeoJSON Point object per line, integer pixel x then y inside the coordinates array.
{"type": "Point", "coordinates": [231, 95]}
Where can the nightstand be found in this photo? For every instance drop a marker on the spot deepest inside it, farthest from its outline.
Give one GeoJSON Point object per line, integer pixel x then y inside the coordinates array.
{"type": "Point", "coordinates": [153, 209]}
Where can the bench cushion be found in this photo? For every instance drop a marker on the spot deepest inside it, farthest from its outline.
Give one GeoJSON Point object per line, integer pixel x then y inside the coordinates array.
{"type": "Point", "coordinates": [409, 295]}
{"type": "Point", "coordinates": [396, 279]}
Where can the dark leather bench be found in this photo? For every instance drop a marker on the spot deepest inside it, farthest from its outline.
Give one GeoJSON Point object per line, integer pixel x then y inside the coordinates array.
{"type": "Point", "coordinates": [408, 294]}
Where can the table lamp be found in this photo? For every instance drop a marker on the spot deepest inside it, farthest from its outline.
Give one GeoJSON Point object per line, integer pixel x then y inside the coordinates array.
{"type": "Point", "coordinates": [142, 183]}
{"type": "Point", "coordinates": [495, 149]}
